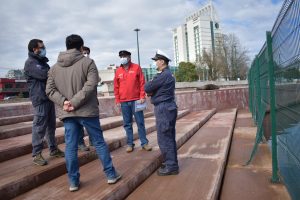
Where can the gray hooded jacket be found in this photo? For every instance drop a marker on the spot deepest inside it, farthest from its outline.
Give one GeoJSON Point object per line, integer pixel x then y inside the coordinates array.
{"type": "Point", "coordinates": [74, 78]}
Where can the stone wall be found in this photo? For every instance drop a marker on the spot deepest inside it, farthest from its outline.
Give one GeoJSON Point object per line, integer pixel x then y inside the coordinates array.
{"type": "Point", "coordinates": [193, 100]}
{"type": "Point", "coordinates": [221, 84]}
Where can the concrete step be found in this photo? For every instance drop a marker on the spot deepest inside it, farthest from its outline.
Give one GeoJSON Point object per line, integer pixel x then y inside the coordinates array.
{"type": "Point", "coordinates": [134, 167]}
{"type": "Point", "coordinates": [251, 181]}
{"type": "Point", "coordinates": [25, 127]}
{"type": "Point", "coordinates": [18, 129]}
{"type": "Point", "coordinates": [20, 175]}
{"type": "Point", "coordinates": [202, 161]}
{"type": "Point", "coordinates": [17, 146]}
{"type": "Point", "coordinates": [15, 119]}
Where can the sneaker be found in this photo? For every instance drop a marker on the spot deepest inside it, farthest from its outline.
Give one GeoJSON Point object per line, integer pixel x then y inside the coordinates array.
{"type": "Point", "coordinates": [163, 165]}
{"type": "Point", "coordinates": [129, 149]}
{"type": "Point", "coordinates": [114, 180]}
{"type": "Point", "coordinates": [163, 171]}
{"type": "Point", "coordinates": [39, 160]}
{"type": "Point", "coordinates": [57, 153]}
{"type": "Point", "coordinates": [74, 187]}
{"type": "Point", "coordinates": [83, 147]}
{"type": "Point", "coordinates": [146, 147]}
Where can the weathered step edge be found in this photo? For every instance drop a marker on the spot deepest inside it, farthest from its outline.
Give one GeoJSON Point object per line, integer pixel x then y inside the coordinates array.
{"type": "Point", "coordinates": [15, 119]}
{"type": "Point", "coordinates": [220, 176]}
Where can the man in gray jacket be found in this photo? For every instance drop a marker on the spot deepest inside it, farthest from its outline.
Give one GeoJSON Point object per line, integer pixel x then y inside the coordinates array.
{"type": "Point", "coordinates": [72, 85]}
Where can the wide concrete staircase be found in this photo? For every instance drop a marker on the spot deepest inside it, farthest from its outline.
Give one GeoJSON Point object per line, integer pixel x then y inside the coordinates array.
{"type": "Point", "coordinates": [203, 142]}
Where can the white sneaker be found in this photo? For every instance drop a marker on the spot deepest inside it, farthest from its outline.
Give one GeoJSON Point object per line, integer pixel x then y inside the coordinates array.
{"type": "Point", "coordinates": [114, 180]}
{"type": "Point", "coordinates": [74, 188]}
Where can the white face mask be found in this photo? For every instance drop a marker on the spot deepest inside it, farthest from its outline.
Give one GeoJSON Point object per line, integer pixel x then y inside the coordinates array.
{"type": "Point", "coordinates": [86, 55]}
{"type": "Point", "coordinates": [154, 65]}
{"type": "Point", "coordinates": [123, 60]}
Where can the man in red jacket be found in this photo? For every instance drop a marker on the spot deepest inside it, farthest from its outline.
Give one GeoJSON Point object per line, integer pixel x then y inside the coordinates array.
{"type": "Point", "coordinates": [129, 87]}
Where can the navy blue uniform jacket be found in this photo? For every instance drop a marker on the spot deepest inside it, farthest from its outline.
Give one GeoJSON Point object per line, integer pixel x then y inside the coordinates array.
{"type": "Point", "coordinates": [162, 87]}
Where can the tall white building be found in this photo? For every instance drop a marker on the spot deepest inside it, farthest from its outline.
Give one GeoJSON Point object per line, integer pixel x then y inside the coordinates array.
{"type": "Point", "coordinates": [200, 32]}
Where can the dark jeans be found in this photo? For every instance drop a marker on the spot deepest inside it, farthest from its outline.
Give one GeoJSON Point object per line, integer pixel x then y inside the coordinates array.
{"type": "Point", "coordinates": [166, 114]}
{"type": "Point", "coordinates": [44, 124]}
{"type": "Point", "coordinates": [128, 112]}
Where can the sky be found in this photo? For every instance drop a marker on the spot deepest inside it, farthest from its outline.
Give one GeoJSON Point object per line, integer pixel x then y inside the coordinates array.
{"type": "Point", "coordinates": [107, 26]}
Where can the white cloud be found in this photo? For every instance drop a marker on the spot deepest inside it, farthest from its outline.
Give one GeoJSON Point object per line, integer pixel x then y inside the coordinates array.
{"type": "Point", "coordinates": [107, 26]}
{"type": "Point", "coordinates": [249, 20]}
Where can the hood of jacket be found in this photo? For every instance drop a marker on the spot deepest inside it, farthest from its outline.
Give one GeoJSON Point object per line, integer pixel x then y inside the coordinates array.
{"type": "Point", "coordinates": [69, 57]}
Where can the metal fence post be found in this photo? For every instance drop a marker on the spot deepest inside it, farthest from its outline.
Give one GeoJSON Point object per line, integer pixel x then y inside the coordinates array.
{"type": "Point", "coordinates": [275, 178]}
{"type": "Point", "coordinates": [258, 108]}
{"type": "Point", "coordinates": [250, 90]}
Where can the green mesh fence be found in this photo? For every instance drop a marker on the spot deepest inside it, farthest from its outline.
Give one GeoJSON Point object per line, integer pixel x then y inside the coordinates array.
{"type": "Point", "coordinates": [274, 92]}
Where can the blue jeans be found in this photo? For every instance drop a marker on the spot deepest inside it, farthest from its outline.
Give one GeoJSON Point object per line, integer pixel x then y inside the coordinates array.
{"type": "Point", "coordinates": [128, 112]}
{"type": "Point", "coordinates": [72, 130]}
{"type": "Point", "coordinates": [44, 125]}
{"type": "Point", "coordinates": [81, 136]}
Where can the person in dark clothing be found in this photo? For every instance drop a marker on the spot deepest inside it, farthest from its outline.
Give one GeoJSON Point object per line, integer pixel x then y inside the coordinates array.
{"type": "Point", "coordinates": [162, 92]}
{"type": "Point", "coordinates": [81, 144]}
{"type": "Point", "coordinates": [44, 121]}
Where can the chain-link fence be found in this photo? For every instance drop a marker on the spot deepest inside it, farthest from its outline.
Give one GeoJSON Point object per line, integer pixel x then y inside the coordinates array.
{"type": "Point", "coordinates": [274, 92]}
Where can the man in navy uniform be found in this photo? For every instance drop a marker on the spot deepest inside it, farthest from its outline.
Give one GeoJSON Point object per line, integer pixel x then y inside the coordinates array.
{"type": "Point", "coordinates": [162, 92]}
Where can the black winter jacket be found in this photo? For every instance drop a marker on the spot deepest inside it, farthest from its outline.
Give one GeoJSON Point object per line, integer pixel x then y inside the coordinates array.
{"type": "Point", "coordinates": [36, 72]}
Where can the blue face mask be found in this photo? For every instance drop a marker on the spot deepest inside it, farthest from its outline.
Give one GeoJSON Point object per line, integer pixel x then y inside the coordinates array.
{"type": "Point", "coordinates": [42, 53]}
{"type": "Point", "coordinates": [124, 61]}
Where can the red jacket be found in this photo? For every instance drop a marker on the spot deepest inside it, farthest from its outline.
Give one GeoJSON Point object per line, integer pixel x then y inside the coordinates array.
{"type": "Point", "coordinates": [129, 85]}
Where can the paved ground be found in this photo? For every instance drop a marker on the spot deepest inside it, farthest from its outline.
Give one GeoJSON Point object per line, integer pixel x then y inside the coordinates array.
{"type": "Point", "coordinates": [252, 181]}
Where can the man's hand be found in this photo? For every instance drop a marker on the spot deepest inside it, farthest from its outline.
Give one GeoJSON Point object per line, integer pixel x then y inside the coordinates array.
{"type": "Point", "coordinates": [118, 106]}
{"type": "Point", "coordinates": [68, 106]}
{"type": "Point", "coordinates": [142, 100]}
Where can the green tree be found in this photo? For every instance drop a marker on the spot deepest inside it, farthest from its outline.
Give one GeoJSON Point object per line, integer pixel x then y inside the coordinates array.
{"type": "Point", "coordinates": [186, 72]}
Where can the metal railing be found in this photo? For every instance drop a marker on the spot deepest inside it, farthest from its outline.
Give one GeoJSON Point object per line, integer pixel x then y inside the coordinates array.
{"type": "Point", "coordinates": [274, 95]}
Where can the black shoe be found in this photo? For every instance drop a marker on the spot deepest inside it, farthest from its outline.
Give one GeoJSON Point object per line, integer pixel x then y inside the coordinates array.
{"type": "Point", "coordinates": [163, 165]}
{"type": "Point", "coordinates": [57, 153]}
{"type": "Point", "coordinates": [163, 171]}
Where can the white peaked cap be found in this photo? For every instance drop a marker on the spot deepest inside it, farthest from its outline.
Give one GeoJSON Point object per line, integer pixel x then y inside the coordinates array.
{"type": "Point", "coordinates": [161, 55]}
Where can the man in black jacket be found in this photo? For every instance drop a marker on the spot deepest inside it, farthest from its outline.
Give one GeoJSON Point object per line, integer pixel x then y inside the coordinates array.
{"type": "Point", "coordinates": [44, 121]}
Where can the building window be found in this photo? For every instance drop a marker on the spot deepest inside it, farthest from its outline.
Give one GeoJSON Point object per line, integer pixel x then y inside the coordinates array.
{"type": "Point", "coordinates": [176, 49]}
{"type": "Point", "coordinates": [197, 42]}
{"type": "Point", "coordinates": [187, 47]}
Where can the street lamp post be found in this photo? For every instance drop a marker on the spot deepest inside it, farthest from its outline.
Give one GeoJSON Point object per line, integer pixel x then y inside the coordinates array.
{"type": "Point", "coordinates": [137, 41]}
